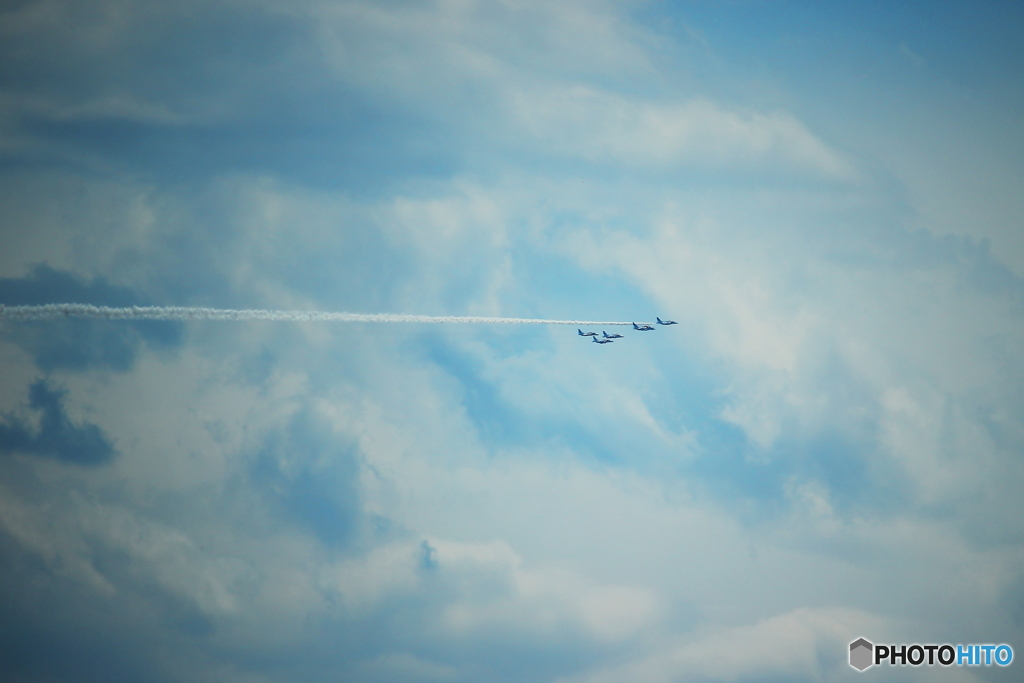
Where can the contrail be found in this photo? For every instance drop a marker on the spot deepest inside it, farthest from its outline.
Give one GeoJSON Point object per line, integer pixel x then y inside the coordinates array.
{"type": "Point", "coordinates": [56, 311]}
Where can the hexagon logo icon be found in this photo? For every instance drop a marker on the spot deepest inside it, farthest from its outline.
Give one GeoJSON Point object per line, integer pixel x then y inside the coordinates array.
{"type": "Point", "coordinates": [860, 654]}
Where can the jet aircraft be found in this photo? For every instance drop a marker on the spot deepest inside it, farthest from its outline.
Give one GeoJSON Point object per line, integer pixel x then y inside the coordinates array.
{"type": "Point", "coordinates": [611, 336]}
{"type": "Point", "coordinates": [642, 328]}
{"type": "Point", "coordinates": [601, 341]}
{"type": "Point", "coordinates": [666, 322]}
{"type": "Point", "coordinates": [586, 334]}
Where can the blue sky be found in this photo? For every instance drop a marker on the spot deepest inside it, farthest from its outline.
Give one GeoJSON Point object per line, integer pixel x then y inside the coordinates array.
{"type": "Point", "coordinates": [828, 446]}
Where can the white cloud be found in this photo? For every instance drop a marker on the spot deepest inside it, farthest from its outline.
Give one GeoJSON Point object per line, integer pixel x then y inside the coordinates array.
{"type": "Point", "coordinates": [86, 225]}
{"type": "Point", "coordinates": [840, 338]}
{"type": "Point", "coordinates": [439, 50]}
{"type": "Point", "coordinates": [805, 644]}
{"type": "Point", "coordinates": [565, 495]}
{"type": "Point", "coordinates": [607, 128]}
{"type": "Point", "coordinates": [559, 94]}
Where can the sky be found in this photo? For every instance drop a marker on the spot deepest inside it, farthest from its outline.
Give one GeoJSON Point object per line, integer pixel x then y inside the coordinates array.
{"type": "Point", "coordinates": [828, 446]}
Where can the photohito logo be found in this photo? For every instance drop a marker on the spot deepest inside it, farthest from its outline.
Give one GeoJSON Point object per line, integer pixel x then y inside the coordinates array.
{"type": "Point", "coordinates": [863, 654]}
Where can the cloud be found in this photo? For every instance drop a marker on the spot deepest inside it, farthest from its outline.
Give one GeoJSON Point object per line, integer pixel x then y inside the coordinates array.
{"type": "Point", "coordinates": [385, 92]}
{"type": "Point", "coordinates": [57, 437]}
{"type": "Point", "coordinates": [802, 645]}
{"type": "Point", "coordinates": [213, 585]}
{"type": "Point", "coordinates": [606, 128]}
{"type": "Point", "coordinates": [827, 441]}
{"type": "Point", "coordinates": [852, 360]}
{"type": "Point", "coordinates": [312, 476]}
{"type": "Point", "coordinates": [80, 344]}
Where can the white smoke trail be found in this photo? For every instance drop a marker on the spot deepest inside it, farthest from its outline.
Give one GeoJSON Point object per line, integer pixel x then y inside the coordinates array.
{"type": "Point", "coordinates": [55, 311]}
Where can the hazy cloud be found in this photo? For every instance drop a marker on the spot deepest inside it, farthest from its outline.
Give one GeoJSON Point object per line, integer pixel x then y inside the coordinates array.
{"type": "Point", "coordinates": [80, 344]}
{"type": "Point", "coordinates": [825, 447]}
{"type": "Point", "coordinates": [57, 436]}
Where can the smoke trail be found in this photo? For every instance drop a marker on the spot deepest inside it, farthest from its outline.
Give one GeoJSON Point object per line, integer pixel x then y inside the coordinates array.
{"type": "Point", "coordinates": [55, 311]}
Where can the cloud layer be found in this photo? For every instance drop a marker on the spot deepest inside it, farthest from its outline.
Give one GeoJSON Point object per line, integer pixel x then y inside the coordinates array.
{"type": "Point", "coordinates": [825, 447]}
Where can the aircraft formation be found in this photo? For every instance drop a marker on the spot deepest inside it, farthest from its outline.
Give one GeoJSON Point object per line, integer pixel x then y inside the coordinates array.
{"type": "Point", "coordinates": [606, 338]}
